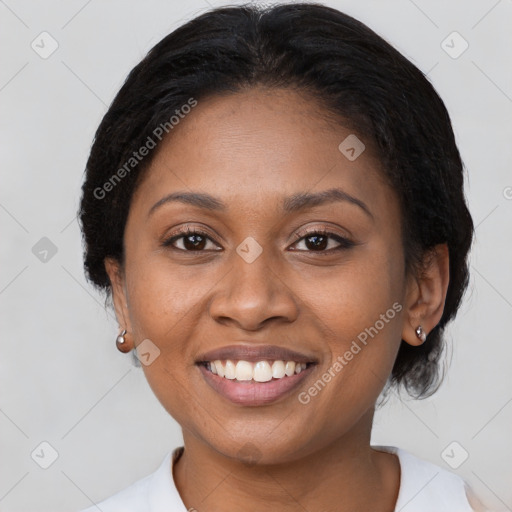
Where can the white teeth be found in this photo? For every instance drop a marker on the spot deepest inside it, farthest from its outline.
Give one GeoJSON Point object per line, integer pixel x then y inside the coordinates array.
{"type": "Point", "coordinates": [261, 371]}
{"type": "Point", "coordinates": [300, 367]}
{"type": "Point", "coordinates": [244, 370]}
{"type": "Point", "coordinates": [219, 367]}
{"type": "Point", "coordinates": [290, 368]}
{"type": "Point", "coordinates": [230, 370]}
{"type": "Point", "coordinates": [278, 370]}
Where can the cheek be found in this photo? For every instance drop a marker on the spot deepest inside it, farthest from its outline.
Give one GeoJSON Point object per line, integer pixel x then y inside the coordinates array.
{"type": "Point", "coordinates": [160, 297]}
{"type": "Point", "coordinates": [359, 309]}
{"type": "Point", "coordinates": [164, 308]}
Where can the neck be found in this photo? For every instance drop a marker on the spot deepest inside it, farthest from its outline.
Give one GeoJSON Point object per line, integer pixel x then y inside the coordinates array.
{"type": "Point", "coordinates": [345, 475]}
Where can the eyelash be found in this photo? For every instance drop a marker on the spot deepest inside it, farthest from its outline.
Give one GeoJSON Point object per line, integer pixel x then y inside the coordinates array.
{"type": "Point", "coordinates": [345, 243]}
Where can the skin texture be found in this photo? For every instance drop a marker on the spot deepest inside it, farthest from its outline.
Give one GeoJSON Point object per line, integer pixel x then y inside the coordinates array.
{"type": "Point", "coordinates": [251, 150]}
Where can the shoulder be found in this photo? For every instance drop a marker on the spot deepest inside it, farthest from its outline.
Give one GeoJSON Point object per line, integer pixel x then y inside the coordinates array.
{"type": "Point", "coordinates": [153, 493]}
{"type": "Point", "coordinates": [426, 487]}
{"type": "Point", "coordinates": [132, 499]}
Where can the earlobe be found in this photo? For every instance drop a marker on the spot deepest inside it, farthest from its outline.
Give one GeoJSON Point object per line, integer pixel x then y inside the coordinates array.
{"type": "Point", "coordinates": [122, 344]}
{"type": "Point", "coordinates": [426, 296]}
{"type": "Point", "coordinates": [119, 300]}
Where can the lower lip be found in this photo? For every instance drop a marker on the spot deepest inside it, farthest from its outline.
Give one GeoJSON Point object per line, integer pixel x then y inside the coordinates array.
{"type": "Point", "coordinates": [253, 393]}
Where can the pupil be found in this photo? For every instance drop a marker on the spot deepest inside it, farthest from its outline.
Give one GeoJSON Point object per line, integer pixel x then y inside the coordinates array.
{"type": "Point", "coordinates": [197, 244]}
{"type": "Point", "coordinates": [319, 241]}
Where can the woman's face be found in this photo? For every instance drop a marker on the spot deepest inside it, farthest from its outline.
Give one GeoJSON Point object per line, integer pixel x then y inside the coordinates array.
{"type": "Point", "coordinates": [258, 277]}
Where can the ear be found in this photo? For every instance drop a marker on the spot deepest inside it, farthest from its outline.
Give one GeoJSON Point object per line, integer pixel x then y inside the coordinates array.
{"type": "Point", "coordinates": [119, 298]}
{"type": "Point", "coordinates": [426, 294]}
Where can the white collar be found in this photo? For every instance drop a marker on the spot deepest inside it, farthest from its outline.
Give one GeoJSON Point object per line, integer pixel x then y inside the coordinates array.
{"type": "Point", "coordinates": [424, 487]}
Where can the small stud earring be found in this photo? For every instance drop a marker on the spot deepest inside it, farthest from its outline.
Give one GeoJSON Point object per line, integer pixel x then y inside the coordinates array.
{"type": "Point", "coordinates": [420, 333]}
{"type": "Point", "coordinates": [120, 342]}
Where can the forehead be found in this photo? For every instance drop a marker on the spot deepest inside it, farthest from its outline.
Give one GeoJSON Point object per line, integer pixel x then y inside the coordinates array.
{"type": "Point", "coordinates": [261, 145]}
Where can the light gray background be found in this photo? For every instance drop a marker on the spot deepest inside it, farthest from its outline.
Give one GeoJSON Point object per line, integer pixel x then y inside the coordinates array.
{"type": "Point", "coordinates": [63, 381]}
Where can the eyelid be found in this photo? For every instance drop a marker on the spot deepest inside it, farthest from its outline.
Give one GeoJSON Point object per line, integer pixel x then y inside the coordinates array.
{"type": "Point", "coordinates": [184, 231]}
{"type": "Point", "coordinates": [343, 241]}
{"type": "Point", "coordinates": [322, 230]}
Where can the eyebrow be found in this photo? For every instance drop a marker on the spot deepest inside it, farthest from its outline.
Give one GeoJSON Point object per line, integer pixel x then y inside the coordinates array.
{"type": "Point", "coordinates": [294, 203]}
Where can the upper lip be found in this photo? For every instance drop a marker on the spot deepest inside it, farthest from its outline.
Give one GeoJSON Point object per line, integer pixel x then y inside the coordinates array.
{"type": "Point", "coordinates": [254, 353]}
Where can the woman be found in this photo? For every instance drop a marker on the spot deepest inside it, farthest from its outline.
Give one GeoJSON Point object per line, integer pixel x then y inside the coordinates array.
{"type": "Point", "coordinates": [275, 202]}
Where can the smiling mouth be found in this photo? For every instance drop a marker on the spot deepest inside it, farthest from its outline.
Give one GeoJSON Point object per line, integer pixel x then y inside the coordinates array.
{"type": "Point", "coordinates": [258, 383]}
{"type": "Point", "coordinates": [259, 371]}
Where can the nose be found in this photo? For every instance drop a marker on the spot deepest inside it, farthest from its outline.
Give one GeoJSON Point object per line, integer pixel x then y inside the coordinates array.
{"type": "Point", "coordinates": [253, 294]}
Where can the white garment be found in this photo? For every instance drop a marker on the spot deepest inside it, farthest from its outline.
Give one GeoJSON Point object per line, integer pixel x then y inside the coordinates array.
{"type": "Point", "coordinates": [424, 487]}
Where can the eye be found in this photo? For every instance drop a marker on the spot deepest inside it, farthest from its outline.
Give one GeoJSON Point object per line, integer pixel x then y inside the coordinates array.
{"type": "Point", "coordinates": [318, 240]}
{"type": "Point", "coordinates": [190, 240]}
